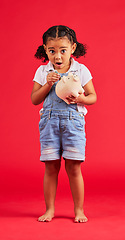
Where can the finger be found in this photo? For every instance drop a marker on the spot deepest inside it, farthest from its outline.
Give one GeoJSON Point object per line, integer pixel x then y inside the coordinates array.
{"type": "Point", "coordinates": [56, 77]}
{"type": "Point", "coordinates": [71, 97]}
{"type": "Point", "coordinates": [71, 100]}
{"type": "Point", "coordinates": [56, 74]}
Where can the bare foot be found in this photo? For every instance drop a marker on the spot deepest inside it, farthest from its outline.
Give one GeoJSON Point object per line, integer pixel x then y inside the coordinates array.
{"type": "Point", "coordinates": [80, 217]}
{"type": "Point", "coordinates": [47, 217]}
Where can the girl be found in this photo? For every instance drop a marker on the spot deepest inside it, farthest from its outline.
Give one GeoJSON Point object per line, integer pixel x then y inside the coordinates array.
{"type": "Point", "coordinates": [62, 125]}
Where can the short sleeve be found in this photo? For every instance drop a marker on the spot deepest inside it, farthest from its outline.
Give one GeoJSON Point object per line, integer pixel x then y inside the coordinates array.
{"type": "Point", "coordinates": [85, 75]}
{"type": "Point", "coordinates": [40, 76]}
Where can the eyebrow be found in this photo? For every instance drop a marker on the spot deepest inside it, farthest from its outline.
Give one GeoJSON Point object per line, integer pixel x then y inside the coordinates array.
{"type": "Point", "coordinates": [54, 48]}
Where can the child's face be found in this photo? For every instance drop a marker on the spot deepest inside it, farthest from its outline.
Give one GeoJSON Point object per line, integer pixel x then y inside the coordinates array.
{"type": "Point", "coordinates": [59, 51]}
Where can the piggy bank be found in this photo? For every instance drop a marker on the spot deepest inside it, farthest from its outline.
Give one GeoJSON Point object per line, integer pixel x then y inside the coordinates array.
{"type": "Point", "coordinates": [67, 86]}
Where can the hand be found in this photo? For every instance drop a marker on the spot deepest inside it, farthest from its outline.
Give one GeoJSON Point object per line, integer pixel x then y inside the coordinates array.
{"type": "Point", "coordinates": [52, 77]}
{"type": "Point", "coordinates": [73, 100]}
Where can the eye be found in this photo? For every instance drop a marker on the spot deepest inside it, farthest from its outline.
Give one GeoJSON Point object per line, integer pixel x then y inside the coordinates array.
{"type": "Point", "coordinates": [51, 51]}
{"type": "Point", "coordinates": [63, 51]}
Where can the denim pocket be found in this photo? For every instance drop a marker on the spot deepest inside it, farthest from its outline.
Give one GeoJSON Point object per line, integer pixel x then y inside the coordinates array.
{"type": "Point", "coordinates": [43, 122]}
{"type": "Point", "coordinates": [78, 123]}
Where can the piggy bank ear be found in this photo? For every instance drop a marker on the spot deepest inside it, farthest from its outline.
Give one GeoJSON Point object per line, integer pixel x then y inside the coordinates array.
{"type": "Point", "coordinates": [76, 78]}
{"type": "Point", "coordinates": [70, 75]}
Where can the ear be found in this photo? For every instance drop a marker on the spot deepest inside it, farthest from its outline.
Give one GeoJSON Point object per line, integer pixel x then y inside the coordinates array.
{"type": "Point", "coordinates": [76, 78]}
{"type": "Point", "coordinates": [74, 45]}
{"type": "Point", "coordinates": [44, 47]}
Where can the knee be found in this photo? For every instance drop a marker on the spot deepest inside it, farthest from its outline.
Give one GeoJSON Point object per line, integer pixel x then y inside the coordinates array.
{"type": "Point", "coordinates": [52, 168]}
{"type": "Point", "coordinates": [73, 168]}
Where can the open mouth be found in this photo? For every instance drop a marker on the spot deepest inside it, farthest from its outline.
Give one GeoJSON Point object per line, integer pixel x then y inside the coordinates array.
{"type": "Point", "coordinates": [58, 63]}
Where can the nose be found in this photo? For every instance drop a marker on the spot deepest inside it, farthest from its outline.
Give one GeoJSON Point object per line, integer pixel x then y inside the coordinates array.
{"type": "Point", "coordinates": [58, 56]}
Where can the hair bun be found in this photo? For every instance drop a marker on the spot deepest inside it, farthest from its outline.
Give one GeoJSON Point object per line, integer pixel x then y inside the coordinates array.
{"type": "Point", "coordinates": [81, 50]}
{"type": "Point", "coordinates": [38, 53]}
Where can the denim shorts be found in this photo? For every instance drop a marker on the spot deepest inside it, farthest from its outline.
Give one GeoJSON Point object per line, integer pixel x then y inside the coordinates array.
{"type": "Point", "coordinates": [62, 133]}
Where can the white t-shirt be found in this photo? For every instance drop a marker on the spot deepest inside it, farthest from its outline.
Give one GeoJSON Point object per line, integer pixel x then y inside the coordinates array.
{"type": "Point", "coordinates": [77, 68]}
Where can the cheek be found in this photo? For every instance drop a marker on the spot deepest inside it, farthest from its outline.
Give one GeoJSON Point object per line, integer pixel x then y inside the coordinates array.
{"type": "Point", "coordinates": [50, 56]}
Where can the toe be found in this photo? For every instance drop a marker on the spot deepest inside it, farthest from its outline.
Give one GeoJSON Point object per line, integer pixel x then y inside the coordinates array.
{"type": "Point", "coordinates": [44, 219]}
{"type": "Point", "coordinates": [48, 219]}
{"type": "Point", "coordinates": [76, 220]}
{"type": "Point", "coordinates": [41, 219]}
{"type": "Point", "coordinates": [80, 220]}
{"type": "Point", "coordinates": [85, 220]}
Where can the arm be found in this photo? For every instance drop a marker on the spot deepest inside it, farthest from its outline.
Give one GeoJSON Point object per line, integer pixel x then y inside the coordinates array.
{"type": "Point", "coordinates": [89, 97]}
{"type": "Point", "coordinates": [39, 92]}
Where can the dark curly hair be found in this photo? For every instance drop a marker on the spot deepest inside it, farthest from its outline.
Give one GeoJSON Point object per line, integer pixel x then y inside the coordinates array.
{"type": "Point", "coordinates": [58, 32]}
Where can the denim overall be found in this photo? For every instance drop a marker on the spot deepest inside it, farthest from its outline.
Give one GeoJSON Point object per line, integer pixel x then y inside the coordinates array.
{"type": "Point", "coordinates": [61, 130]}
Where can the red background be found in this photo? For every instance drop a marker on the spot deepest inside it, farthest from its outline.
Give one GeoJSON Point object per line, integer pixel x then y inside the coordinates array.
{"type": "Point", "coordinates": [101, 26]}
